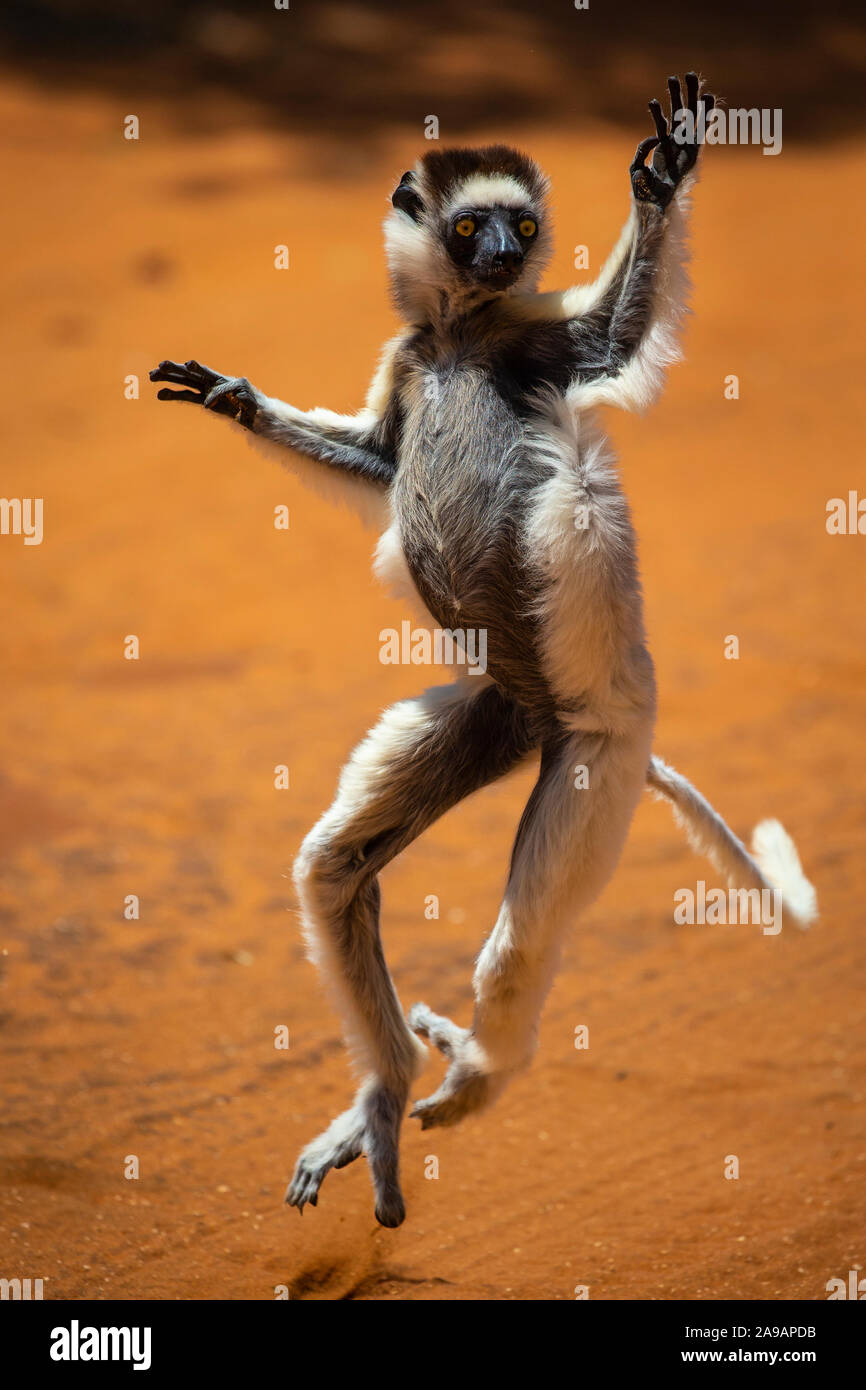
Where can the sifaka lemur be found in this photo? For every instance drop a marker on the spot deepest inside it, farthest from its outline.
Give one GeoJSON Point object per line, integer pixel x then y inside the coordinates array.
{"type": "Point", "coordinates": [504, 515]}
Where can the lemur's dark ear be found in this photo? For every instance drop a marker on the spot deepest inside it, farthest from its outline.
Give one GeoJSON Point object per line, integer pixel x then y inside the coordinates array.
{"type": "Point", "coordinates": [405, 198]}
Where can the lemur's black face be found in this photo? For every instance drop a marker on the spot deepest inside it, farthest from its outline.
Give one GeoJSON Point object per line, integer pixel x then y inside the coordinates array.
{"type": "Point", "coordinates": [491, 244]}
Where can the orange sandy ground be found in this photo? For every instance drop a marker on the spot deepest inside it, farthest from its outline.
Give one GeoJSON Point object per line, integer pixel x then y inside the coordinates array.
{"type": "Point", "coordinates": [155, 1038]}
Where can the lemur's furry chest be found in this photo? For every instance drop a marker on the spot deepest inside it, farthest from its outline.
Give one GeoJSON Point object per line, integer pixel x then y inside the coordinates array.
{"type": "Point", "coordinates": [460, 490]}
{"type": "Point", "coordinates": [459, 502]}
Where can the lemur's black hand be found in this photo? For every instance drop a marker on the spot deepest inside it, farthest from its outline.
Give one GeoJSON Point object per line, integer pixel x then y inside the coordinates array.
{"type": "Point", "coordinates": [227, 395]}
{"type": "Point", "coordinates": [671, 161]}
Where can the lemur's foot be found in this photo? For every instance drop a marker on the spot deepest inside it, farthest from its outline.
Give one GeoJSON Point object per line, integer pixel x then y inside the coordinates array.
{"type": "Point", "coordinates": [226, 395]}
{"type": "Point", "coordinates": [371, 1127]}
{"type": "Point", "coordinates": [341, 1143]}
{"type": "Point", "coordinates": [467, 1087]}
{"type": "Point", "coordinates": [675, 147]}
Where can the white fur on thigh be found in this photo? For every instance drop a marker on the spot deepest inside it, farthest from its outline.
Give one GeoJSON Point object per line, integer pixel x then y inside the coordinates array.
{"type": "Point", "coordinates": [567, 854]}
{"type": "Point", "coordinates": [321, 898]}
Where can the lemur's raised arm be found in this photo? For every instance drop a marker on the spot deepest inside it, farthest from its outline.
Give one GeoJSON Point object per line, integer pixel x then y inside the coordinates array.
{"type": "Point", "coordinates": [621, 327]}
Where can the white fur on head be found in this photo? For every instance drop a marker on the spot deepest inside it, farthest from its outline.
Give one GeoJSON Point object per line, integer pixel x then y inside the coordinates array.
{"type": "Point", "coordinates": [489, 190]}
{"type": "Point", "coordinates": [418, 264]}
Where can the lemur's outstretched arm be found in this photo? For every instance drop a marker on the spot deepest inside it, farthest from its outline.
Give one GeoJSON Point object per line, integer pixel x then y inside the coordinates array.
{"type": "Point", "coordinates": [362, 446]}
{"type": "Point", "coordinates": [622, 327]}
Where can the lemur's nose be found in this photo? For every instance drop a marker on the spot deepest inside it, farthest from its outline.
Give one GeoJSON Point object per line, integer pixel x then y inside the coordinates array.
{"type": "Point", "coordinates": [507, 258]}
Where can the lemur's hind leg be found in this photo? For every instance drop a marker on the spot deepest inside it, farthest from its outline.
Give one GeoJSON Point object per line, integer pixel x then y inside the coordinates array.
{"type": "Point", "coordinates": [567, 847]}
{"type": "Point", "coordinates": [423, 757]}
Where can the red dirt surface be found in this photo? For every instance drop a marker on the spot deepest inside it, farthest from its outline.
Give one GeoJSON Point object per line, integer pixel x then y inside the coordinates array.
{"type": "Point", "coordinates": [155, 1037]}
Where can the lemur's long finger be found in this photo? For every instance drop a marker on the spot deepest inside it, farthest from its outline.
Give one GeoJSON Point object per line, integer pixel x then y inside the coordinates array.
{"type": "Point", "coordinates": [193, 396]}
{"type": "Point", "coordinates": [169, 371]}
{"type": "Point", "coordinates": [693, 87]}
{"type": "Point", "coordinates": [176, 378]}
{"type": "Point", "coordinates": [664, 159]}
{"type": "Point", "coordinates": [658, 117]}
{"type": "Point", "coordinates": [641, 153]}
{"type": "Point", "coordinates": [709, 102]}
{"type": "Point", "coordinates": [676, 94]}
{"type": "Point", "coordinates": [206, 375]}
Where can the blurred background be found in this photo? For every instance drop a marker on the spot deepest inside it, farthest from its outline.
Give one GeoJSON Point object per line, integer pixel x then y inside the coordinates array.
{"type": "Point", "coordinates": [334, 67]}
{"type": "Point", "coordinates": [153, 1035]}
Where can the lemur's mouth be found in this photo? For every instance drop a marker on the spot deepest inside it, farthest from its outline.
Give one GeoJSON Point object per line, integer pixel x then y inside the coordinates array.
{"type": "Point", "coordinates": [498, 277]}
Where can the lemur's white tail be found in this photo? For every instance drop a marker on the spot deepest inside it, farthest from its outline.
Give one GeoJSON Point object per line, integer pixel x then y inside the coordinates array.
{"type": "Point", "coordinates": [773, 863]}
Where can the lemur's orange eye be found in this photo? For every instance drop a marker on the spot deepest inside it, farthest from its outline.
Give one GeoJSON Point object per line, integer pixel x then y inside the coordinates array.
{"type": "Point", "coordinates": [465, 227]}
{"type": "Point", "coordinates": [528, 226]}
